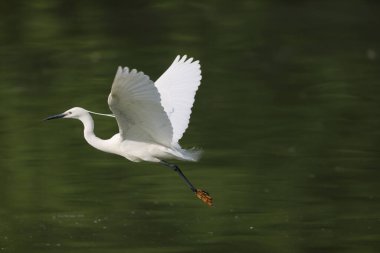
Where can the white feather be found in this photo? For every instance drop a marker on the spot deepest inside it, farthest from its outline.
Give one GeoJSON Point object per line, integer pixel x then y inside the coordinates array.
{"type": "Point", "coordinates": [152, 117]}
{"type": "Point", "coordinates": [177, 87]}
{"type": "Point", "coordinates": [136, 103]}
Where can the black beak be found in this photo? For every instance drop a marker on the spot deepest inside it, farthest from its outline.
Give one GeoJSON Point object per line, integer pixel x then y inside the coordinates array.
{"type": "Point", "coordinates": [58, 116]}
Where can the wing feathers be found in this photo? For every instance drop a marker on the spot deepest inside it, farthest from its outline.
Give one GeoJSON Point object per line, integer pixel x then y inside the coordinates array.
{"type": "Point", "coordinates": [177, 87]}
{"type": "Point", "coordinates": [157, 111]}
{"type": "Point", "coordinates": [135, 101]}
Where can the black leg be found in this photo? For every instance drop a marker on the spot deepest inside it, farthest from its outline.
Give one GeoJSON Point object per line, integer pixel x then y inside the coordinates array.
{"type": "Point", "coordinates": [202, 195]}
{"type": "Point", "coordinates": [178, 170]}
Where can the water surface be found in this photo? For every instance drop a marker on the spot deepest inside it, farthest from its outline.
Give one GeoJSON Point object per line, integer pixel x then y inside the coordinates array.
{"type": "Point", "coordinates": [287, 116]}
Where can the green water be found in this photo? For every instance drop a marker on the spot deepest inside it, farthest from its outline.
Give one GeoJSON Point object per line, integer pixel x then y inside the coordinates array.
{"type": "Point", "coordinates": [287, 115]}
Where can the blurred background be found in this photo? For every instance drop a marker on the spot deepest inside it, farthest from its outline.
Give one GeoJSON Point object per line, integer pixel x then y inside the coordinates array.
{"type": "Point", "coordinates": [287, 115]}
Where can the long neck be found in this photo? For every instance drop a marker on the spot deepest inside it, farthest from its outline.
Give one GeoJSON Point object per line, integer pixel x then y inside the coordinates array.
{"type": "Point", "coordinates": [89, 135]}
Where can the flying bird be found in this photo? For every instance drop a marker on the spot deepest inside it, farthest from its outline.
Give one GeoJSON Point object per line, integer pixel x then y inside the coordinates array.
{"type": "Point", "coordinates": [152, 117]}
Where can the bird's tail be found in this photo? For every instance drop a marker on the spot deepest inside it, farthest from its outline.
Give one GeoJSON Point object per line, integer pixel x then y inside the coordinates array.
{"type": "Point", "coordinates": [192, 154]}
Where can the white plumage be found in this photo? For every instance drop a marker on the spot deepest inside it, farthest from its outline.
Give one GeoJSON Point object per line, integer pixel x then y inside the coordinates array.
{"type": "Point", "coordinates": [152, 117]}
{"type": "Point", "coordinates": [156, 113]}
{"type": "Point", "coordinates": [136, 103]}
{"type": "Point", "coordinates": [177, 87]}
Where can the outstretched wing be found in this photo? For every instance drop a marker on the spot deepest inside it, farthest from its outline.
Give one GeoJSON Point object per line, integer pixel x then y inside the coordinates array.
{"type": "Point", "coordinates": [136, 103]}
{"type": "Point", "coordinates": [177, 87]}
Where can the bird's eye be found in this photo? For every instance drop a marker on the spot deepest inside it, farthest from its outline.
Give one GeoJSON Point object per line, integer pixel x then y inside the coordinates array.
{"type": "Point", "coordinates": [70, 112]}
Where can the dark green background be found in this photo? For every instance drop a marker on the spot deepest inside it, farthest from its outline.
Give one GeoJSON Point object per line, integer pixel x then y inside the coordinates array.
{"type": "Point", "coordinates": [287, 116]}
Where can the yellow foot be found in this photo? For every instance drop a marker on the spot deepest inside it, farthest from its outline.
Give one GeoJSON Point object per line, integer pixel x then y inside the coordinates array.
{"type": "Point", "coordinates": [204, 196]}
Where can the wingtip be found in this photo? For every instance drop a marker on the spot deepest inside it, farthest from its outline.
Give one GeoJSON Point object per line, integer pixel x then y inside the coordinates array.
{"type": "Point", "coordinates": [189, 60]}
{"type": "Point", "coordinates": [185, 59]}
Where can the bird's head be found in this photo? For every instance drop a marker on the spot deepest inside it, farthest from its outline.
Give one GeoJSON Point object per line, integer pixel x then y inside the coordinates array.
{"type": "Point", "coordinates": [73, 113]}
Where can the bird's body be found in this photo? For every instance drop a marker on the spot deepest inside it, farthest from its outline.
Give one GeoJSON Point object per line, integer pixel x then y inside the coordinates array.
{"type": "Point", "coordinates": [133, 149]}
{"type": "Point", "coordinates": [152, 116]}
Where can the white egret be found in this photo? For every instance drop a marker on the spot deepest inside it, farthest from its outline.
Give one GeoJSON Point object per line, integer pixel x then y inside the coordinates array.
{"type": "Point", "coordinates": [152, 116]}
